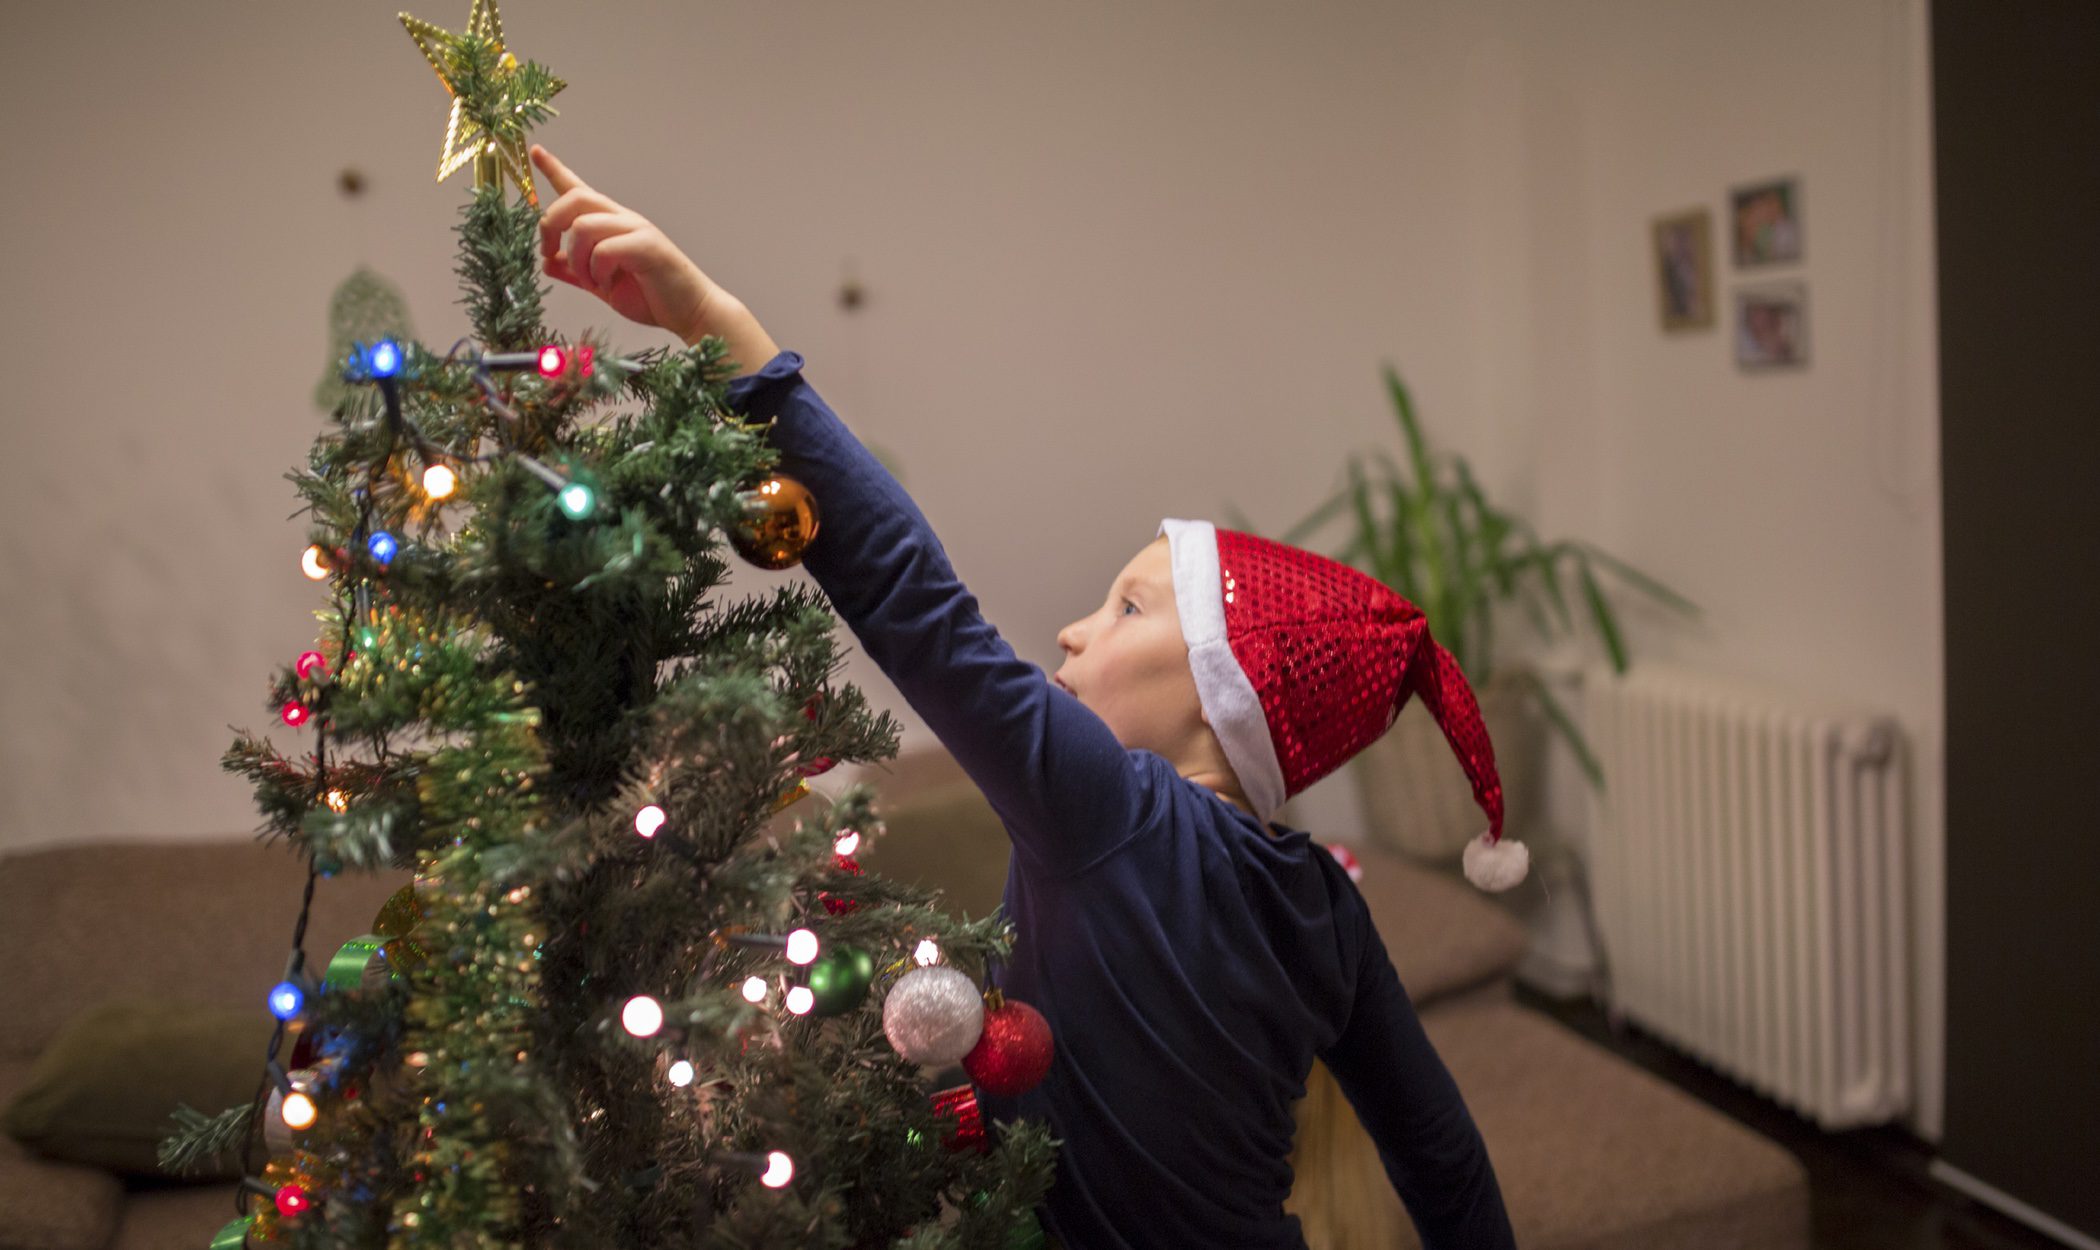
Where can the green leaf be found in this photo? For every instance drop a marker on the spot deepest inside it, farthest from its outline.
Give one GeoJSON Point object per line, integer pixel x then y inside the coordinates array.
{"type": "Point", "coordinates": [1641, 581]}
{"type": "Point", "coordinates": [1411, 429]}
{"type": "Point", "coordinates": [1466, 590]}
{"type": "Point", "coordinates": [1494, 529]}
{"type": "Point", "coordinates": [1367, 527]}
{"type": "Point", "coordinates": [1406, 545]}
{"type": "Point", "coordinates": [1297, 534]}
{"type": "Point", "coordinates": [1546, 560]}
{"type": "Point", "coordinates": [1600, 611]}
{"type": "Point", "coordinates": [1538, 615]}
{"type": "Point", "coordinates": [1557, 716]}
{"type": "Point", "coordinates": [1435, 586]}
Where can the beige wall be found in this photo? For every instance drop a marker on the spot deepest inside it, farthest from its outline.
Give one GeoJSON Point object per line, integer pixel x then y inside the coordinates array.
{"type": "Point", "coordinates": [1801, 509]}
{"type": "Point", "coordinates": [1123, 261]}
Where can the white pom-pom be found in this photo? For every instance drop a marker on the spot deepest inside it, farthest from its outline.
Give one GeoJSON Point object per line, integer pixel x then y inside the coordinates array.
{"type": "Point", "coordinates": [1496, 866]}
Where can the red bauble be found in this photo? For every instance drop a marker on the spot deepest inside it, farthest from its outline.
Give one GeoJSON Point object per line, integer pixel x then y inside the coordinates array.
{"type": "Point", "coordinates": [960, 1105]}
{"type": "Point", "coordinates": [1013, 1053]}
{"type": "Point", "coordinates": [823, 763]}
{"type": "Point", "coordinates": [834, 904]}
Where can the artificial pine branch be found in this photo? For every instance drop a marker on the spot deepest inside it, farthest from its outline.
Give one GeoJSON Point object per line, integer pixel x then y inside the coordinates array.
{"type": "Point", "coordinates": [200, 1139]}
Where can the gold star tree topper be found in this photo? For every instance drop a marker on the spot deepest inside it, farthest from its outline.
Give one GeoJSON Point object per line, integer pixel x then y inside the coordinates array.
{"type": "Point", "coordinates": [496, 147]}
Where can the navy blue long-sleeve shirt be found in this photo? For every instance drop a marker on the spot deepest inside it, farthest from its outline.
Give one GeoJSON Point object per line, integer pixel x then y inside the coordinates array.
{"type": "Point", "coordinates": [1190, 961]}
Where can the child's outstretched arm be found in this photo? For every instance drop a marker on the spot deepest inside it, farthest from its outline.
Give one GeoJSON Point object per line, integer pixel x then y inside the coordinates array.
{"type": "Point", "coordinates": [1411, 1108]}
{"type": "Point", "coordinates": [1066, 789]}
{"type": "Point", "coordinates": [616, 254]}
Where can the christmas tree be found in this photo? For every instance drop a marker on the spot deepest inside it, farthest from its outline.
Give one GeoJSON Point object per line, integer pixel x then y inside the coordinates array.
{"type": "Point", "coordinates": [629, 998]}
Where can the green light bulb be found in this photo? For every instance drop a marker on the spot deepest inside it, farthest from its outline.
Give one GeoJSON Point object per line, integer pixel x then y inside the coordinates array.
{"type": "Point", "coordinates": [577, 501]}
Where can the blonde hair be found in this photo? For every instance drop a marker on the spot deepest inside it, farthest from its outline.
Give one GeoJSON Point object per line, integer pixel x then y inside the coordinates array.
{"type": "Point", "coordinates": [1340, 1192]}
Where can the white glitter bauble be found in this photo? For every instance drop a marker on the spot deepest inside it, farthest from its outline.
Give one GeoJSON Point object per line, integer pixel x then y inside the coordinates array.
{"type": "Point", "coordinates": [933, 1015]}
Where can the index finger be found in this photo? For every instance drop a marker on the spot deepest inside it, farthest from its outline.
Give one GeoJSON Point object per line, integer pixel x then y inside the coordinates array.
{"type": "Point", "coordinates": [557, 173]}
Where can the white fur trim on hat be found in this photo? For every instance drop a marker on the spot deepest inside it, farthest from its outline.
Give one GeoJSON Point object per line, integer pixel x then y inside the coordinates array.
{"type": "Point", "coordinates": [1227, 696]}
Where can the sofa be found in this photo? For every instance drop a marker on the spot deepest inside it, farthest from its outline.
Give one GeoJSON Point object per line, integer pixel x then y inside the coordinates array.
{"type": "Point", "coordinates": [1592, 1152]}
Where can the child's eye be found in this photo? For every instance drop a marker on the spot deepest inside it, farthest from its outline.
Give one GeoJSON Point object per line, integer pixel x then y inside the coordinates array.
{"type": "Point", "coordinates": [1128, 604]}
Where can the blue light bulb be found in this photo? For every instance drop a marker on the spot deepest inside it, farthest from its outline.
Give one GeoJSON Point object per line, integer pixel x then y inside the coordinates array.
{"type": "Point", "coordinates": [383, 547]}
{"type": "Point", "coordinates": [385, 358]}
{"type": "Point", "coordinates": [286, 999]}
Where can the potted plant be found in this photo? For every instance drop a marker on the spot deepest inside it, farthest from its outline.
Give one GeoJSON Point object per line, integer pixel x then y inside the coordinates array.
{"type": "Point", "coordinates": [1430, 533]}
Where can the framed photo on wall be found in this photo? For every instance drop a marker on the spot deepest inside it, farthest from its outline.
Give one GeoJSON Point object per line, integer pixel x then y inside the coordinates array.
{"type": "Point", "coordinates": [1771, 326]}
{"type": "Point", "coordinates": [1684, 269]}
{"type": "Point", "coordinates": [1766, 222]}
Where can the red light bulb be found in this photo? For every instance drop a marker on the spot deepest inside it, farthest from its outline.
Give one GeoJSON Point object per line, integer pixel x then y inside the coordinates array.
{"type": "Point", "coordinates": [292, 1201]}
{"type": "Point", "coordinates": [295, 715]}
{"type": "Point", "coordinates": [552, 360]}
{"type": "Point", "coordinates": [583, 358]}
{"type": "Point", "coordinates": [311, 661]}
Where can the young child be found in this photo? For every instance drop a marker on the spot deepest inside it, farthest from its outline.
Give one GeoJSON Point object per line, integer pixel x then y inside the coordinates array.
{"type": "Point", "coordinates": [1192, 959]}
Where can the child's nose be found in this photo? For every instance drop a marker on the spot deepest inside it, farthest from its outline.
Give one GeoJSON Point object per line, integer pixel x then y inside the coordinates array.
{"type": "Point", "coordinates": [1068, 638]}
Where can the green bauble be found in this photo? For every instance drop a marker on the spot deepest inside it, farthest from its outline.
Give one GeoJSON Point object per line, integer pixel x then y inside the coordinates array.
{"type": "Point", "coordinates": [1026, 1234]}
{"type": "Point", "coordinates": [840, 980]}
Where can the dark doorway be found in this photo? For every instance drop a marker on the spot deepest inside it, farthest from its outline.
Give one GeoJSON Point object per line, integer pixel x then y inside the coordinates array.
{"type": "Point", "coordinates": [2016, 101]}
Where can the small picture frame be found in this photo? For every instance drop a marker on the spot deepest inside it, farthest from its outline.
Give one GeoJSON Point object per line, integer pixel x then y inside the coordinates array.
{"type": "Point", "coordinates": [1771, 326]}
{"type": "Point", "coordinates": [1684, 269]}
{"type": "Point", "coordinates": [1766, 223]}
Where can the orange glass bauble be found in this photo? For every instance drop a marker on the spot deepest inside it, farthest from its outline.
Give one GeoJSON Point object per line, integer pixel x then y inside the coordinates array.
{"type": "Point", "coordinates": [781, 525]}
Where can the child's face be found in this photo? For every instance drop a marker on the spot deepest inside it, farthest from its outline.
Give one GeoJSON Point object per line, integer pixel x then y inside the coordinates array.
{"type": "Point", "coordinates": [1129, 664]}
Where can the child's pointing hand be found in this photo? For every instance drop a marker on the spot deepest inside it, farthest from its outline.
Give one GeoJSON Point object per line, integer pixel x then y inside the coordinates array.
{"type": "Point", "coordinates": [617, 255]}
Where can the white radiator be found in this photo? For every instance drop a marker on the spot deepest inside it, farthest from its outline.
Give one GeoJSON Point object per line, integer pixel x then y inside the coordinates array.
{"type": "Point", "coordinates": [1748, 865]}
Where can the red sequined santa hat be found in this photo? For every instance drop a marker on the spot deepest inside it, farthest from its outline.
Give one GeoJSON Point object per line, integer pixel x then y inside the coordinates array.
{"type": "Point", "coordinates": [1301, 662]}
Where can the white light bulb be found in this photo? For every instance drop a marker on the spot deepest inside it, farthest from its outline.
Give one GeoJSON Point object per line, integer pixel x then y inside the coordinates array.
{"type": "Point", "coordinates": [439, 482]}
{"type": "Point", "coordinates": [680, 1074]}
{"type": "Point", "coordinates": [755, 990]}
{"type": "Point", "coordinates": [927, 954]}
{"type": "Point", "coordinates": [779, 1169]}
{"type": "Point", "coordinates": [298, 1110]}
{"type": "Point", "coordinates": [802, 947]}
{"type": "Point", "coordinates": [312, 562]}
{"type": "Point", "coordinates": [801, 999]}
{"type": "Point", "coordinates": [649, 820]}
{"type": "Point", "coordinates": [848, 842]}
{"type": "Point", "coordinates": [642, 1016]}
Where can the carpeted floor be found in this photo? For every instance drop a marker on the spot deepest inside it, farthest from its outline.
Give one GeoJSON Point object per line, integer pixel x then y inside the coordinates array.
{"type": "Point", "coordinates": [1869, 1189]}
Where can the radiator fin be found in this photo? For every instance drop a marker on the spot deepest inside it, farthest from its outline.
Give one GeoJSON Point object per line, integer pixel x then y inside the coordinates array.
{"type": "Point", "coordinates": [1748, 863]}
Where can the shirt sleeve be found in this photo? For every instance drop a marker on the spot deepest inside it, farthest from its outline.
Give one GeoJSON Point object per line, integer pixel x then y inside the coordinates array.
{"type": "Point", "coordinates": [1408, 1103]}
{"type": "Point", "coordinates": [1067, 791]}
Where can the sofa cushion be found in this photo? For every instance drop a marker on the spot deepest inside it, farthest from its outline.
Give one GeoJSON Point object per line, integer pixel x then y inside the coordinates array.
{"type": "Point", "coordinates": [205, 922]}
{"type": "Point", "coordinates": [103, 1091]}
{"type": "Point", "coordinates": [1591, 1152]}
{"type": "Point", "coordinates": [1443, 936]}
{"type": "Point", "coordinates": [945, 837]}
{"type": "Point", "coordinates": [175, 1217]}
{"type": "Point", "coordinates": [46, 1205]}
